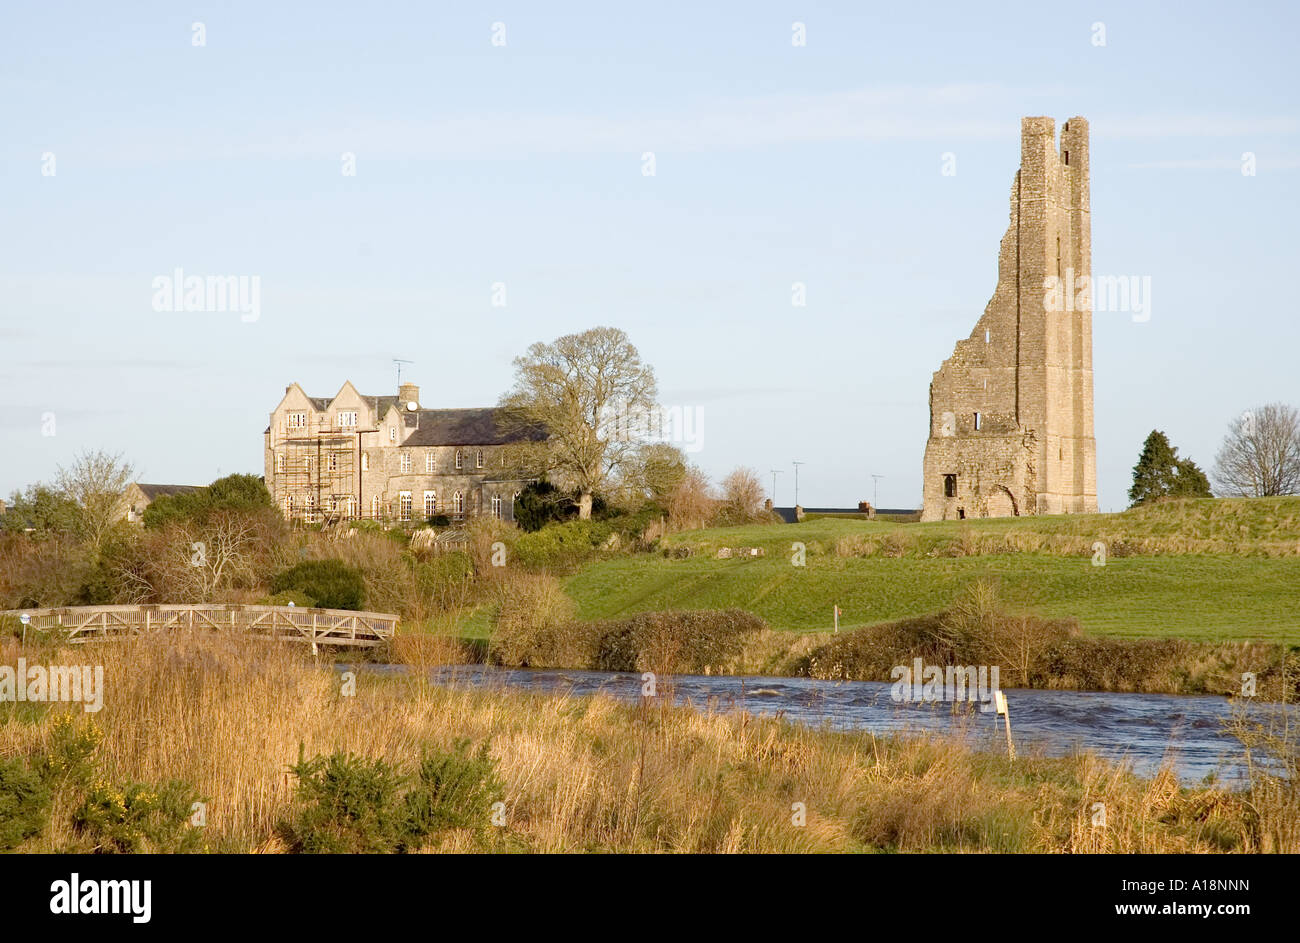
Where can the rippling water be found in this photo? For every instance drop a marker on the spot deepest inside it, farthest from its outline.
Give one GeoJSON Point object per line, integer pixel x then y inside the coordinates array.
{"type": "Point", "coordinates": [1143, 729]}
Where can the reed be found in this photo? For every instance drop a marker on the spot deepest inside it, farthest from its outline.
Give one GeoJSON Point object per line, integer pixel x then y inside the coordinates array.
{"type": "Point", "coordinates": [581, 774]}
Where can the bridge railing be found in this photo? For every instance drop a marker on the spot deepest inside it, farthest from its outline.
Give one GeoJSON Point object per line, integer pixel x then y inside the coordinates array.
{"type": "Point", "coordinates": [290, 623]}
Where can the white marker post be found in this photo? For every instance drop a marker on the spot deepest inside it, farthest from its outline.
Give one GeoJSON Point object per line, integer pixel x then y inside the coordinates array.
{"type": "Point", "coordinates": [26, 620]}
{"type": "Point", "coordinates": [837, 617]}
{"type": "Point", "coordinates": [1002, 709]}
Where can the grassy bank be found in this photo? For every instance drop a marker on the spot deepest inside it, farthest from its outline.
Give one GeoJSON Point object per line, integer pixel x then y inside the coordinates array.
{"type": "Point", "coordinates": [1199, 570]}
{"type": "Point", "coordinates": [581, 774]}
{"type": "Point", "coordinates": [1203, 598]}
{"type": "Point", "coordinates": [535, 627]}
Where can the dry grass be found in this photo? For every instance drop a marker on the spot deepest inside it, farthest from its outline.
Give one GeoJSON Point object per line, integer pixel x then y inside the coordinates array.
{"type": "Point", "coordinates": [592, 774]}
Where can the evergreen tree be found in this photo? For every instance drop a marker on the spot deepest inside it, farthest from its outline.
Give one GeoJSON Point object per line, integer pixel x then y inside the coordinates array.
{"type": "Point", "coordinates": [1159, 472]}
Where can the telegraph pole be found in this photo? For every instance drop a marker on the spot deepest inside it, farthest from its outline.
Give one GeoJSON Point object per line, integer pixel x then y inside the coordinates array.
{"type": "Point", "coordinates": [775, 472]}
{"type": "Point", "coordinates": [796, 481]}
{"type": "Point", "coordinates": [875, 491]}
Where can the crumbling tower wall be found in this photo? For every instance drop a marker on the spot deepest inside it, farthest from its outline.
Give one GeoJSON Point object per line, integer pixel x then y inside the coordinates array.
{"type": "Point", "coordinates": [1011, 420]}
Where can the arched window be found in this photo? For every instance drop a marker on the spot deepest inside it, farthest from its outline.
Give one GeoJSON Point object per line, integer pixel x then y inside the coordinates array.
{"type": "Point", "coordinates": [479, 458]}
{"type": "Point", "coordinates": [365, 461]}
{"type": "Point", "coordinates": [458, 504]}
{"type": "Point", "coordinates": [460, 459]}
{"type": "Point", "coordinates": [375, 507]}
{"type": "Point", "coordinates": [496, 505]}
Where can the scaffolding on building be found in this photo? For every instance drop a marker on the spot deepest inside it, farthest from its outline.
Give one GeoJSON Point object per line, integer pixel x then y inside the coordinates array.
{"type": "Point", "coordinates": [316, 474]}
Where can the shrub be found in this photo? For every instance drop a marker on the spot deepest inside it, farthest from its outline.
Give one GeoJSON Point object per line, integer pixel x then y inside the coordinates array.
{"type": "Point", "coordinates": [240, 493]}
{"type": "Point", "coordinates": [349, 804]}
{"type": "Point", "coordinates": [138, 817]}
{"type": "Point", "coordinates": [972, 631]}
{"type": "Point", "coordinates": [104, 816]}
{"type": "Point", "coordinates": [534, 626]}
{"type": "Point", "coordinates": [453, 789]}
{"type": "Point", "coordinates": [24, 804]}
{"type": "Point", "coordinates": [742, 500]}
{"type": "Point", "coordinates": [331, 583]}
{"type": "Point", "coordinates": [541, 503]}
{"type": "Point", "coordinates": [442, 582]}
{"type": "Point", "coordinates": [685, 641]}
{"type": "Point", "coordinates": [345, 804]}
{"type": "Point", "coordinates": [561, 546]}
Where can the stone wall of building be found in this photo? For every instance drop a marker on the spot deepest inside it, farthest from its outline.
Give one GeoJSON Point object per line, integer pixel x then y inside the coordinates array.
{"type": "Point", "coordinates": [320, 469]}
{"type": "Point", "coordinates": [1011, 411]}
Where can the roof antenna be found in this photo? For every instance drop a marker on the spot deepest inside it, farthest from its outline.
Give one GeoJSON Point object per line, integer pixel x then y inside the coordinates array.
{"type": "Point", "coordinates": [399, 362]}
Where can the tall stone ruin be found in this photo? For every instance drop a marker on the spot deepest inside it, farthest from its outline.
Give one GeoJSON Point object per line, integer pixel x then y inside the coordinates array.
{"type": "Point", "coordinates": [1011, 422]}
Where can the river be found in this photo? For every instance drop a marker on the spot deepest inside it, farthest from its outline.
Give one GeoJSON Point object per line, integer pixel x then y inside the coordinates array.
{"type": "Point", "coordinates": [1142, 729]}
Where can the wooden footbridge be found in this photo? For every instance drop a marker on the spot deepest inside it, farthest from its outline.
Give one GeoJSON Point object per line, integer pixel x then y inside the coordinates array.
{"type": "Point", "coordinates": [334, 627]}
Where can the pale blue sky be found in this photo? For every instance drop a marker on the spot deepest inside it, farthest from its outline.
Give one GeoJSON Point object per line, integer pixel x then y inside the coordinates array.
{"type": "Point", "coordinates": [522, 164]}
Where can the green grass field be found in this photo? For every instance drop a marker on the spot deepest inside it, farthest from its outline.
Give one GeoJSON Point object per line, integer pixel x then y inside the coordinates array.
{"type": "Point", "coordinates": [1252, 591]}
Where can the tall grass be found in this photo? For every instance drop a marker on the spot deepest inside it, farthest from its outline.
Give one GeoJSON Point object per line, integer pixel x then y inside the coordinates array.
{"type": "Point", "coordinates": [582, 774]}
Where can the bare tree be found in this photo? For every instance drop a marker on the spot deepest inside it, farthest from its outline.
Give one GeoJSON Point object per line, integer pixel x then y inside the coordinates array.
{"type": "Point", "coordinates": [1260, 455]}
{"type": "Point", "coordinates": [742, 497]}
{"type": "Point", "coordinates": [590, 392]}
{"type": "Point", "coordinates": [195, 563]}
{"type": "Point", "coordinates": [96, 481]}
{"type": "Point", "coordinates": [691, 503]}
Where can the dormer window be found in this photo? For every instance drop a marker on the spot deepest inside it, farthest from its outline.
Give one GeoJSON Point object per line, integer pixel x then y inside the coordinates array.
{"type": "Point", "coordinates": [392, 433]}
{"type": "Point", "coordinates": [346, 420]}
{"type": "Point", "coordinates": [297, 420]}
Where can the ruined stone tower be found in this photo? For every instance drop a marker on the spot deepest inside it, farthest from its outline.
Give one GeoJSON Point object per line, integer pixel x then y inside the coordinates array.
{"type": "Point", "coordinates": [1011, 410]}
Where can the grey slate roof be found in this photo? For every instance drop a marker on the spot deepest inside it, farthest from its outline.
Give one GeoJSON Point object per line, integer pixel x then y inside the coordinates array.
{"type": "Point", "coordinates": [481, 426]}
{"type": "Point", "coordinates": [475, 426]}
{"type": "Point", "coordinates": [152, 492]}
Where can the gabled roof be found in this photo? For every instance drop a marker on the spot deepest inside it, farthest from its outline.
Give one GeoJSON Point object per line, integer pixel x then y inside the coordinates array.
{"type": "Point", "coordinates": [380, 404]}
{"type": "Point", "coordinates": [480, 426]}
{"type": "Point", "coordinates": [476, 426]}
{"type": "Point", "coordinates": [153, 492]}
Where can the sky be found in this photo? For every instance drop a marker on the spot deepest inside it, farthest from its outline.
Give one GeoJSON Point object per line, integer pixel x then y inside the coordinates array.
{"type": "Point", "coordinates": [500, 154]}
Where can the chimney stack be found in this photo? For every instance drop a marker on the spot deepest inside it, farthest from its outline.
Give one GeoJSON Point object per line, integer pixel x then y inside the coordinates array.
{"type": "Point", "coordinates": [408, 393]}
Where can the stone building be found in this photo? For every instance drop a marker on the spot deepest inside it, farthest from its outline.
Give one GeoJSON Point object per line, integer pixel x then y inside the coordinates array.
{"type": "Point", "coordinates": [139, 496]}
{"type": "Point", "coordinates": [386, 458]}
{"type": "Point", "coordinates": [1011, 420]}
